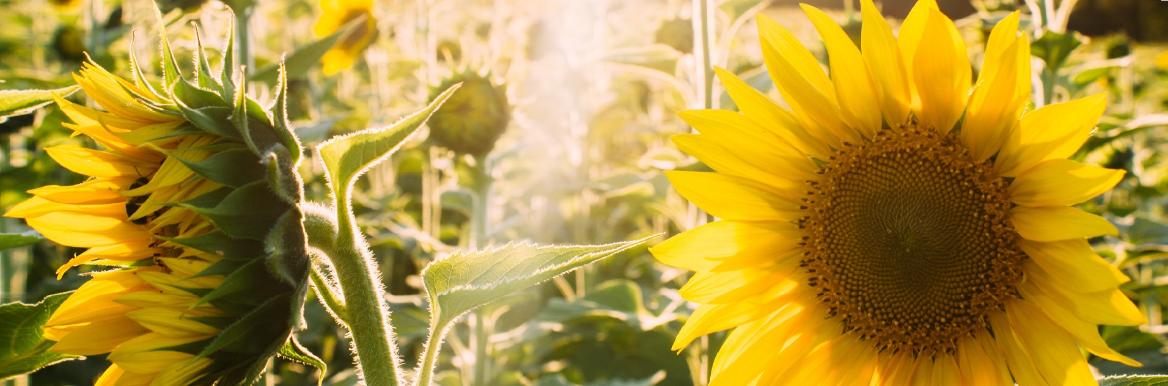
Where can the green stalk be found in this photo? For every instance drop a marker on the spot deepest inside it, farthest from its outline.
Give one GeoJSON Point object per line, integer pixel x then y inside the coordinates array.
{"type": "Point", "coordinates": [368, 315]}
{"type": "Point", "coordinates": [243, 36]}
{"type": "Point", "coordinates": [430, 354]}
{"type": "Point", "coordinates": [478, 233]}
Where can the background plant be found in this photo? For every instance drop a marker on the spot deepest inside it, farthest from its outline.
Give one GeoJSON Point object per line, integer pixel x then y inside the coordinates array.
{"type": "Point", "coordinates": [593, 88]}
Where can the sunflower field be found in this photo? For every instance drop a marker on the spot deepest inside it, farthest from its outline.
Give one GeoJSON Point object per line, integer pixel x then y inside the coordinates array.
{"type": "Point", "coordinates": [583, 192]}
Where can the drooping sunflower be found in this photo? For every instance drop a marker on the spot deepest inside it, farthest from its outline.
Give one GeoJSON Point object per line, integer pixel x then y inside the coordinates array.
{"type": "Point", "coordinates": [189, 236]}
{"type": "Point", "coordinates": [336, 14]}
{"type": "Point", "coordinates": [894, 224]}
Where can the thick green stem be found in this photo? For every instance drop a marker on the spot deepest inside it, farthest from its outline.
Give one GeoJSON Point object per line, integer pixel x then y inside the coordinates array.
{"type": "Point", "coordinates": [365, 311]}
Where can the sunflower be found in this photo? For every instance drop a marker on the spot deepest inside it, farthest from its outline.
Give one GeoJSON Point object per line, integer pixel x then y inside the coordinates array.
{"type": "Point", "coordinates": [189, 298]}
{"type": "Point", "coordinates": [336, 14]}
{"type": "Point", "coordinates": [893, 224]}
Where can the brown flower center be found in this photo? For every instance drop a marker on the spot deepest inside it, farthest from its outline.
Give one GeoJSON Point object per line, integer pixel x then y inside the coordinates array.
{"type": "Point", "coordinates": [908, 241]}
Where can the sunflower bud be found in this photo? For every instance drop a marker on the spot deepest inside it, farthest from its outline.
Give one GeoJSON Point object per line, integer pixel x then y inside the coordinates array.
{"type": "Point", "coordinates": [69, 43]}
{"type": "Point", "coordinates": [192, 199]}
{"type": "Point", "coordinates": [473, 118]}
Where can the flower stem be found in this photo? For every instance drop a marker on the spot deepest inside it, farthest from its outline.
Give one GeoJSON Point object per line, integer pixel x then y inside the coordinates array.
{"type": "Point", "coordinates": [367, 313]}
{"type": "Point", "coordinates": [243, 35]}
{"type": "Point", "coordinates": [430, 355]}
{"type": "Point", "coordinates": [478, 236]}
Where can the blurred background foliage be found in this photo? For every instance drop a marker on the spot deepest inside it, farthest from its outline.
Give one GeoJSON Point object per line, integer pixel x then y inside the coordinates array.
{"type": "Point", "coordinates": [588, 92]}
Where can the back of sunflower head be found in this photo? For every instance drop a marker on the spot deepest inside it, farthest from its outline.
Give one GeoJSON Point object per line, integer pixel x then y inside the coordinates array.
{"type": "Point", "coordinates": [192, 198]}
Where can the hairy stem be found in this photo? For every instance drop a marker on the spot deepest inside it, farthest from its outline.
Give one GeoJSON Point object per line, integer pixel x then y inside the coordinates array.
{"type": "Point", "coordinates": [366, 313]}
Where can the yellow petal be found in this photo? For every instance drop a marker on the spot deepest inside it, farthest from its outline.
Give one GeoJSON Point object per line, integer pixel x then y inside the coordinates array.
{"type": "Point", "coordinates": [1051, 132]}
{"type": "Point", "coordinates": [95, 299]}
{"type": "Point", "coordinates": [125, 252]}
{"type": "Point", "coordinates": [85, 230]}
{"type": "Point", "coordinates": [710, 318]}
{"type": "Point", "coordinates": [882, 56]}
{"type": "Point", "coordinates": [1073, 265]}
{"type": "Point", "coordinates": [148, 353]}
{"type": "Point", "coordinates": [95, 163]}
{"type": "Point", "coordinates": [98, 337]}
{"type": "Point", "coordinates": [945, 371]}
{"type": "Point", "coordinates": [173, 322]}
{"type": "Point", "coordinates": [747, 163]}
{"type": "Point", "coordinates": [101, 191]}
{"type": "Point", "coordinates": [909, 39]}
{"type": "Point", "coordinates": [1087, 333]}
{"type": "Point", "coordinates": [183, 373]}
{"type": "Point", "coordinates": [37, 207]}
{"type": "Point", "coordinates": [1053, 352]}
{"type": "Point", "coordinates": [941, 72]}
{"type": "Point", "coordinates": [854, 87]}
{"type": "Point", "coordinates": [732, 198]}
{"type": "Point", "coordinates": [998, 98]}
{"type": "Point", "coordinates": [709, 287]}
{"type": "Point", "coordinates": [698, 249]}
{"type": "Point", "coordinates": [749, 350]}
{"type": "Point", "coordinates": [154, 298]}
{"type": "Point", "coordinates": [110, 376]}
{"type": "Point", "coordinates": [1016, 353]}
{"type": "Point", "coordinates": [802, 83]}
{"type": "Point", "coordinates": [1058, 223]}
{"type": "Point", "coordinates": [766, 113]}
{"type": "Point", "coordinates": [1060, 182]}
{"type": "Point", "coordinates": [980, 363]}
{"type": "Point", "coordinates": [1110, 307]}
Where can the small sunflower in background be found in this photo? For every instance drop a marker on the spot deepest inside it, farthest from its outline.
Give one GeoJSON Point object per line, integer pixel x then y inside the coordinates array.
{"type": "Point", "coordinates": [473, 118]}
{"type": "Point", "coordinates": [336, 14]}
{"type": "Point", "coordinates": [897, 224]}
{"type": "Point", "coordinates": [66, 5]}
{"type": "Point", "coordinates": [179, 220]}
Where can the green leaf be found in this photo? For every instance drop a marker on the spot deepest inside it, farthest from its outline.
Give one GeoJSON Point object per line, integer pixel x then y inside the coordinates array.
{"type": "Point", "coordinates": [304, 58]}
{"type": "Point", "coordinates": [23, 348]}
{"type": "Point", "coordinates": [1135, 380]}
{"type": "Point", "coordinates": [347, 156]}
{"type": "Point", "coordinates": [17, 102]}
{"type": "Point", "coordinates": [293, 351]}
{"type": "Point", "coordinates": [13, 240]}
{"type": "Point", "coordinates": [467, 280]}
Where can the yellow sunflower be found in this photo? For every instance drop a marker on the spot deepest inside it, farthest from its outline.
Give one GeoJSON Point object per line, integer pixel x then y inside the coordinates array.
{"type": "Point", "coordinates": [336, 14]}
{"type": "Point", "coordinates": [893, 224]}
{"type": "Point", "coordinates": [189, 298]}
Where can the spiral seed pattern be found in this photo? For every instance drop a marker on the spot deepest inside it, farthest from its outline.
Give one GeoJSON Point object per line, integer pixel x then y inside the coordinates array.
{"type": "Point", "coordinates": [908, 241]}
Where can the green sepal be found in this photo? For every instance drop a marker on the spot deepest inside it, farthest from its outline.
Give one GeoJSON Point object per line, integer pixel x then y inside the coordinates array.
{"type": "Point", "coordinates": [218, 243]}
{"type": "Point", "coordinates": [23, 348]}
{"type": "Point", "coordinates": [282, 177]}
{"type": "Point", "coordinates": [292, 350]}
{"type": "Point", "coordinates": [203, 74]}
{"type": "Point", "coordinates": [242, 280]}
{"type": "Point", "coordinates": [233, 167]}
{"type": "Point", "coordinates": [136, 67]}
{"type": "Point", "coordinates": [346, 157]}
{"type": "Point", "coordinates": [224, 267]}
{"type": "Point", "coordinates": [183, 91]}
{"type": "Point", "coordinates": [287, 248]}
{"type": "Point", "coordinates": [280, 124]}
{"type": "Point", "coordinates": [170, 72]}
{"type": "Point", "coordinates": [227, 75]}
{"type": "Point", "coordinates": [244, 116]}
{"type": "Point", "coordinates": [212, 119]}
{"type": "Point", "coordinates": [207, 200]}
{"type": "Point", "coordinates": [246, 213]}
{"type": "Point", "coordinates": [234, 338]}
